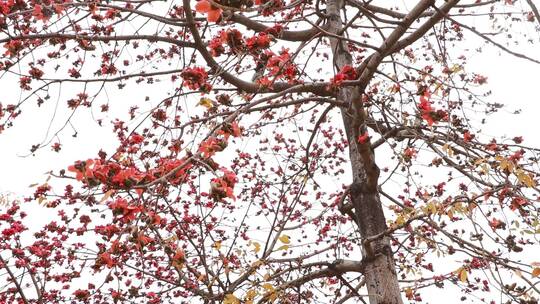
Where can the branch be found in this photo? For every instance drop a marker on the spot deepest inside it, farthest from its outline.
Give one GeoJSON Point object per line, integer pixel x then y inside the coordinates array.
{"type": "Point", "coordinates": [295, 36]}
{"type": "Point", "coordinates": [338, 267]}
{"type": "Point", "coordinates": [12, 276]}
{"type": "Point", "coordinates": [150, 38]}
{"type": "Point", "coordinates": [502, 47]}
{"type": "Point", "coordinates": [422, 30]}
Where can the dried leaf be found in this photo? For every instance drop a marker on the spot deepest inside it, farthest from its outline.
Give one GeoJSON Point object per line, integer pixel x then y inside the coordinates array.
{"type": "Point", "coordinates": [206, 102]}
{"type": "Point", "coordinates": [106, 196]}
{"type": "Point", "coordinates": [283, 247]}
{"type": "Point", "coordinates": [257, 247]}
{"type": "Point", "coordinates": [462, 274]}
{"type": "Point", "coordinates": [230, 299]}
{"type": "Point", "coordinates": [285, 239]}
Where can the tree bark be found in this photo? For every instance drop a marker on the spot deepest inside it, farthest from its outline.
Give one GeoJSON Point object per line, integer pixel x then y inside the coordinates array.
{"type": "Point", "coordinates": [380, 273]}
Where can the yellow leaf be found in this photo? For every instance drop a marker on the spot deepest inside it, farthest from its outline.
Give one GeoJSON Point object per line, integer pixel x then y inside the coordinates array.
{"type": "Point", "coordinates": [536, 272]}
{"type": "Point", "coordinates": [257, 247]}
{"type": "Point", "coordinates": [446, 148]}
{"type": "Point", "coordinates": [462, 274]}
{"type": "Point", "coordinates": [505, 164]}
{"type": "Point", "coordinates": [171, 239]}
{"type": "Point", "coordinates": [250, 296]}
{"type": "Point", "coordinates": [268, 287]}
{"type": "Point", "coordinates": [106, 196]}
{"type": "Point", "coordinates": [400, 220]}
{"type": "Point", "coordinates": [257, 264]}
{"type": "Point", "coordinates": [217, 245]}
{"type": "Point", "coordinates": [283, 247]}
{"type": "Point", "coordinates": [525, 178]}
{"type": "Point", "coordinates": [484, 168]}
{"type": "Point", "coordinates": [206, 102]}
{"type": "Point", "coordinates": [456, 68]}
{"type": "Point", "coordinates": [409, 293]}
{"type": "Point", "coordinates": [230, 299]}
{"type": "Point", "coordinates": [285, 239]}
{"type": "Point", "coordinates": [479, 161]}
{"type": "Point", "coordinates": [430, 208]}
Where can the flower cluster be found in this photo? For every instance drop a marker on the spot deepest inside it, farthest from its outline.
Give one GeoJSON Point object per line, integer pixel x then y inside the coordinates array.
{"type": "Point", "coordinates": [196, 78]}
{"type": "Point", "coordinates": [281, 66]}
{"type": "Point", "coordinates": [347, 72]}
{"type": "Point", "coordinates": [428, 113]}
{"type": "Point", "coordinates": [223, 187]}
{"type": "Point", "coordinates": [233, 39]}
{"type": "Point", "coordinates": [258, 42]}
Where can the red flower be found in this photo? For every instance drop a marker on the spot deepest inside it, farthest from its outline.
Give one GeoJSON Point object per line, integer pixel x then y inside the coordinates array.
{"type": "Point", "coordinates": [13, 47]}
{"type": "Point", "coordinates": [210, 146]}
{"type": "Point", "coordinates": [496, 224]}
{"type": "Point", "coordinates": [216, 46]}
{"type": "Point", "coordinates": [362, 139]}
{"type": "Point", "coordinates": [467, 136]}
{"type": "Point", "coordinates": [231, 129]}
{"type": "Point", "coordinates": [127, 177]}
{"type": "Point", "coordinates": [409, 154]}
{"type": "Point", "coordinates": [41, 14]}
{"type": "Point", "coordinates": [56, 147]}
{"type": "Point", "coordinates": [105, 259]}
{"type": "Point", "coordinates": [280, 65]}
{"type": "Point", "coordinates": [36, 73]}
{"type": "Point", "coordinates": [213, 14]}
{"type": "Point", "coordinates": [261, 41]}
{"type": "Point", "coordinates": [196, 78]}
{"type": "Point", "coordinates": [179, 258]}
{"type": "Point", "coordinates": [224, 186]}
{"type": "Point", "coordinates": [233, 38]}
{"type": "Point", "coordinates": [518, 203]}
{"type": "Point", "coordinates": [428, 113]}
{"type": "Point", "coordinates": [128, 212]}
{"type": "Point", "coordinates": [81, 294]}
{"type": "Point", "coordinates": [347, 72]}
{"type": "Point", "coordinates": [479, 79]}
{"type": "Point", "coordinates": [82, 169]}
{"type": "Point", "coordinates": [136, 139]}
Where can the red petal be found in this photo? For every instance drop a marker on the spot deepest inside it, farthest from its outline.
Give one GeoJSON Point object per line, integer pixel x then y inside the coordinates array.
{"type": "Point", "coordinates": [203, 6]}
{"type": "Point", "coordinates": [214, 15]}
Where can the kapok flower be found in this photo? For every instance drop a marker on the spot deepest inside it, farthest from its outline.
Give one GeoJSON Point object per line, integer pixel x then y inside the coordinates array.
{"type": "Point", "coordinates": [213, 14]}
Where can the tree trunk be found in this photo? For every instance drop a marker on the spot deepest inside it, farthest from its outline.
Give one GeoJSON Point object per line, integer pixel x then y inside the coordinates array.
{"type": "Point", "coordinates": [380, 273]}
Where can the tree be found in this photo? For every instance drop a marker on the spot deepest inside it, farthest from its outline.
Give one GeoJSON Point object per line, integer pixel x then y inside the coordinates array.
{"type": "Point", "coordinates": [306, 152]}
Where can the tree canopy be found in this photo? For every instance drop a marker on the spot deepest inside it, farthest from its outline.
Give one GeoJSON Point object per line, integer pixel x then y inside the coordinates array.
{"type": "Point", "coordinates": [270, 151]}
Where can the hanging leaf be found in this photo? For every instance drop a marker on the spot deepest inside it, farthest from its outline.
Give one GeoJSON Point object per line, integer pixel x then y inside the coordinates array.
{"type": "Point", "coordinates": [230, 299]}
{"type": "Point", "coordinates": [449, 151]}
{"type": "Point", "coordinates": [283, 247]}
{"type": "Point", "coordinates": [206, 102]}
{"type": "Point", "coordinates": [462, 274]}
{"type": "Point", "coordinates": [525, 179]}
{"type": "Point", "coordinates": [285, 239]}
{"type": "Point", "coordinates": [106, 196]}
{"type": "Point", "coordinates": [257, 247]}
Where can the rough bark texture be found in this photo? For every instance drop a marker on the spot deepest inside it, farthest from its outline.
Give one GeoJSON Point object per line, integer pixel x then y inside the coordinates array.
{"type": "Point", "coordinates": [380, 274]}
